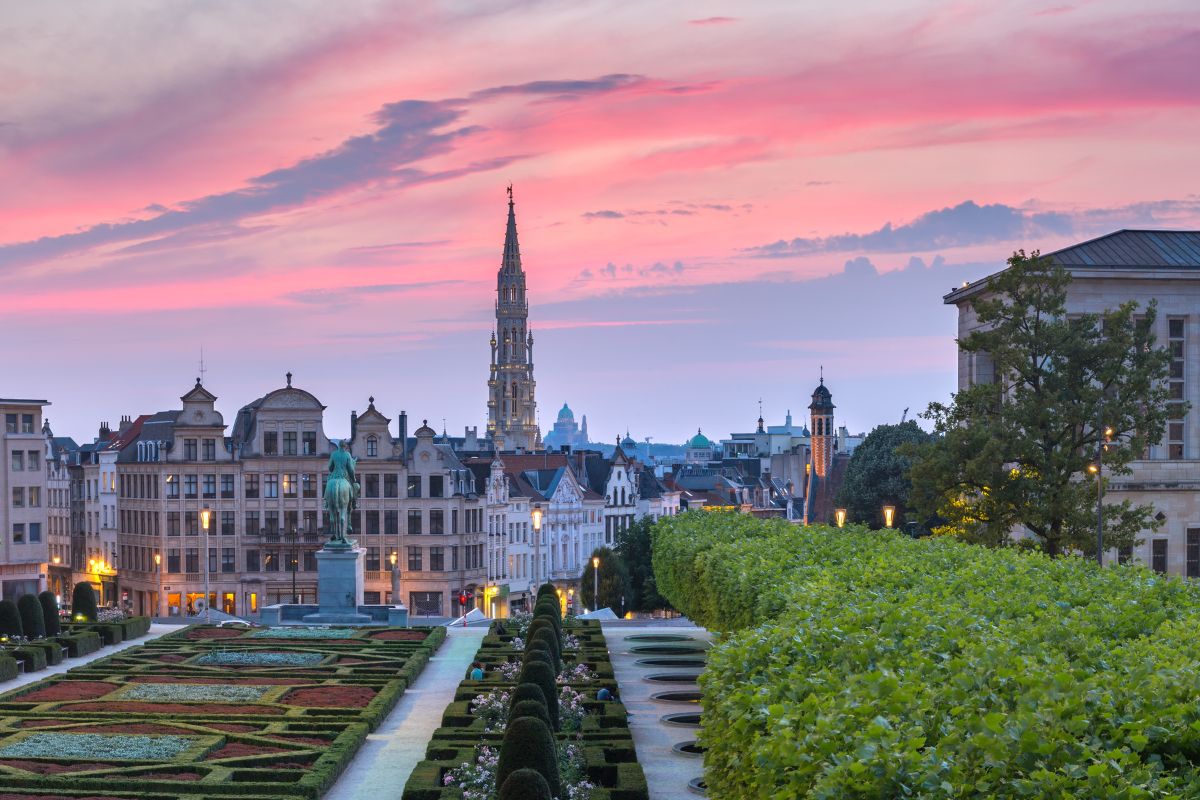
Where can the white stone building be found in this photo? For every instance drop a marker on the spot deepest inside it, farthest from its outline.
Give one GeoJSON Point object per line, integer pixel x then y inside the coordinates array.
{"type": "Point", "coordinates": [25, 548]}
{"type": "Point", "coordinates": [1142, 266]}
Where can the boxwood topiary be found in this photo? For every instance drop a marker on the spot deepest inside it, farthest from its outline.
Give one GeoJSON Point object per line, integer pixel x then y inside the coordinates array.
{"type": "Point", "coordinates": [529, 708]}
{"type": "Point", "coordinates": [543, 675]}
{"type": "Point", "coordinates": [551, 641]}
{"type": "Point", "coordinates": [31, 616]}
{"type": "Point", "coordinates": [50, 619]}
{"type": "Point", "coordinates": [525, 784]}
{"type": "Point", "coordinates": [8, 668]}
{"type": "Point", "coordinates": [527, 691]}
{"type": "Point", "coordinates": [541, 654]}
{"type": "Point", "coordinates": [529, 744]}
{"type": "Point", "coordinates": [83, 602]}
{"type": "Point", "coordinates": [547, 590]}
{"type": "Point", "coordinates": [10, 619]}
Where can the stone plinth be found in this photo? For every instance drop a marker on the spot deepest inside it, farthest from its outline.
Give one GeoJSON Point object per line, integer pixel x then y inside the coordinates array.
{"type": "Point", "coordinates": [339, 587]}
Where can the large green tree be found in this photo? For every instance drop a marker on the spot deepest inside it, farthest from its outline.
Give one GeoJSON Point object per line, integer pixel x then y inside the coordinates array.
{"type": "Point", "coordinates": [1014, 451]}
{"type": "Point", "coordinates": [633, 545]}
{"type": "Point", "coordinates": [613, 582]}
{"type": "Point", "coordinates": [877, 474]}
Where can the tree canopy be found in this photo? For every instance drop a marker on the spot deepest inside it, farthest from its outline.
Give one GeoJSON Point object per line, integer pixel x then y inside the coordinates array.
{"type": "Point", "coordinates": [1013, 450]}
{"type": "Point", "coordinates": [633, 545]}
{"type": "Point", "coordinates": [613, 584]}
{"type": "Point", "coordinates": [877, 474]}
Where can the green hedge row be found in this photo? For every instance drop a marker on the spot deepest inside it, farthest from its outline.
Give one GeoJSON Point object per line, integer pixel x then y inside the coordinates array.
{"type": "Point", "coordinates": [872, 665]}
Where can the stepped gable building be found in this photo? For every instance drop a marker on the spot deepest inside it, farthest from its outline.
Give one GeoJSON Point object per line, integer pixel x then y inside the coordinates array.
{"type": "Point", "coordinates": [1143, 266]}
{"type": "Point", "coordinates": [512, 408]}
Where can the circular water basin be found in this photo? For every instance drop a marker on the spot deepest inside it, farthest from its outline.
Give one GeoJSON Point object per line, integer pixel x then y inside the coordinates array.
{"type": "Point", "coordinates": [668, 649]}
{"type": "Point", "coordinates": [683, 696]}
{"type": "Point", "coordinates": [689, 748]}
{"type": "Point", "coordinates": [698, 786]}
{"type": "Point", "coordinates": [659, 637]}
{"type": "Point", "coordinates": [670, 662]}
{"type": "Point", "coordinates": [682, 719]}
{"type": "Point", "coordinates": [672, 677]}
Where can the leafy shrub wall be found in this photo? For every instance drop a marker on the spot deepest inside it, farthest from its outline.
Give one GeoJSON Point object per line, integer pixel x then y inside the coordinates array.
{"type": "Point", "coordinates": [866, 665]}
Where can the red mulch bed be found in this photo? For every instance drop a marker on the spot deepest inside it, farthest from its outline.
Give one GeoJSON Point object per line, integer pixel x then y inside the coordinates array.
{"type": "Point", "coordinates": [172, 776]}
{"type": "Point", "coordinates": [400, 636]}
{"type": "Point", "coordinates": [172, 658]}
{"type": "Point", "coordinates": [288, 765]}
{"type": "Point", "coordinates": [313, 740]}
{"type": "Point", "coordinates": [10, 796]}
{"type": "Point", "coordinates": [331, 697]}
{"type": "Point", "coordinates": [133, 727]}
{"type": "Point", "coordinates": [232, 727]}
{"type": "Point", "coordinates": [266, 681]}
{"type": "Point", "coordinates": [40, 723]}
{"type": "Point", "coordinates": [349, 660]}
{"type": "Point", "coordinates": [68, 690]}
{"type": "Point", "coordinates": [236, 749]}
{"type": "Point", "coordinates": [193, 709]}
{"type": "Point", "coordinates": [215, 633]}
{"type": "Point", "coordinates": [48, 768]}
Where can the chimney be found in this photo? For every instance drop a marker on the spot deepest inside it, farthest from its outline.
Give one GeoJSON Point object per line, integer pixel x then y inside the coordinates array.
{"type": "Point", "coordinates": [105, 431]}
{"type": "Point", "coordinates": [353, 425]}
{"type": "Point", "coordinates": [126, 423]}
{"type": "Point", "coordinates": [403, 436]}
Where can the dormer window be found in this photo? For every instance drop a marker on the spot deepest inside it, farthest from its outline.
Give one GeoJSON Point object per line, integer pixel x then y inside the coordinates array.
{"type": "Point", "coordinates": [372, 446]}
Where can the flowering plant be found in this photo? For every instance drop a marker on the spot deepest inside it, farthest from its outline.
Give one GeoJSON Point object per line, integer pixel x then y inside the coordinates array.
{"type": "Point", "coordinates": [519, 622]}
{"type": "Point", "coordinates": [476, 780]}
{"type": "Point", "coordinates": [509, 670]}
{"type": "Point", "coordinates": [570, 642]}
{"type": "Point", "coordinates": [518, 643]}
{"type": "Point", "coordinates": [570, 709]}
{"type": "Point", "coordinates": [572, 768]}
{"type": "Point", "coordinates": [109, 615]}
{"type": "Point", "coordinates": [576, 673]}
{"type": "Point", "coordinates": [492, 708]}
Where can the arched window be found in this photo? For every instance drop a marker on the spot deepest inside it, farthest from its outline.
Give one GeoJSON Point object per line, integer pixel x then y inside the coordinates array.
{"type": "Point", "coordinates": [372, 446]}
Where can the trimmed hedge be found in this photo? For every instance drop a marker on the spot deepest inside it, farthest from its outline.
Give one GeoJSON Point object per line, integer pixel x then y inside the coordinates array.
{"type": "Point", "coordinates": [879, 666]}
{"type": "Point", "coordinates": [50, 618]}
{"type": "Point", "coordinates": [79, 643]}
{"type": "Point", "coordinates": [83, 602]}
{"type": "Point", "coordinates": [10, 619]}
{"type": "Point", "coordinates": [32, 621]}
{"type": "Point", "coordinates": [8, 667]}
{"type": "Point", "coordinates": [34, 658]}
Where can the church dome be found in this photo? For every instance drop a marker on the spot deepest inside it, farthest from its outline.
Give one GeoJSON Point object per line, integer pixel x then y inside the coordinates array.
{"type": "Point", "coordinates": [628, 442]}
{"type": "Point", "coordinates": [566, 414]}
{"type": "Point", "coordinates": [699, 441]}
{"type": "Point", "coordinates": [821, 398]}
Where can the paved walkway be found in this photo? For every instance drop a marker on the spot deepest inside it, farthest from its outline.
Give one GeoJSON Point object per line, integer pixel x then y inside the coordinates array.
{"type": "Point", "coordinates": [156, 630]}
{"type": "Point", "coordinates": [667, 772]}
{"type": "Point", "coordinates": [382, 765]}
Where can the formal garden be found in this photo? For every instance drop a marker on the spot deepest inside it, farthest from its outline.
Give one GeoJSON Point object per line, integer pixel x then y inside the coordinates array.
{"type": "Point", "coordinates": [860, 664]}
{"type": "Point", "coordinates": [208, 712]}
{"type": "Point", "coordinates": [536, 716]}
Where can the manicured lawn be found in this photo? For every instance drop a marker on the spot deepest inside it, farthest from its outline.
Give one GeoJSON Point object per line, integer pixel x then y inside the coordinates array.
{"type": "Point", "coordinates": [208, 713]}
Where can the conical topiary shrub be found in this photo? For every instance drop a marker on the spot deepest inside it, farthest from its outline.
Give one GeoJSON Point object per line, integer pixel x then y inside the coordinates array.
{"type": "Point", "coordinates": [542, 674]}
{"type": "Point", "coordinates": [525, 784]}
{"type": "Point", "coordinates": [529, 708]}
{"type": "Point", "coordinates": [549, 611]}
{"type": "Point", "coordinates": [541, 653]}
{"type": "Point", "coordinates": [547, 590]}
{"type": "Point", "coordinates": [527, 691]}
{"type": "Point", "coordinates": [547, 636]}
{"type": "Point", "coordinates": [49, 603]}
{"type": "Point", "coordinates": [83, 602]}
{"type": "Point", "coordinates": [545, 622]}
{"type": "Point", "coordinates": [31, 616]}
{"type": "Point", "coordinates": [10, 619]}
{"type": "Point", "coordinates": [529, 744]}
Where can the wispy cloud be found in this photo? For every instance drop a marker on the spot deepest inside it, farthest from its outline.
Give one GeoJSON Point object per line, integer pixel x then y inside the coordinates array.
{"type": "Point", "coordinates": [340, 295]}
{"type": "Point", "coordinates": [712, 21]}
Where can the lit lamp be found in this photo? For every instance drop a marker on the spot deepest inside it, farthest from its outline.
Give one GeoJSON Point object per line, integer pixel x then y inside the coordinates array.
{"type": "Point", "coordinates": [205, 520]}
{"type": "Point", "coordinates": [595, 583]}
{"type": "Point", "coordinates": [158, 569]}
{"type": "Point", "coordinates": [536, 515]}
{"type": "Point", "coordinates": [839, 514]}
{"type": "Point", "coordinates": [889, 515]}
{"type": "Point", "coordinates": [57, 560]}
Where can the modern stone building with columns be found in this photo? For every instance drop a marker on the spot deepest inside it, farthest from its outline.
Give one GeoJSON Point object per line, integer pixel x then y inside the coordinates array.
{"type": "Point", "coordinates": [1143, 266]}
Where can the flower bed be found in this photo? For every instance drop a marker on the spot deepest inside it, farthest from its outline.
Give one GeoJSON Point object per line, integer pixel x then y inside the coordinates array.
{"type": "Point", "coordinates": [596, 757]}
{"type": "Point", "coordinates": [228, 715]}
{"type": "Point", "coordinates": [304, 633]}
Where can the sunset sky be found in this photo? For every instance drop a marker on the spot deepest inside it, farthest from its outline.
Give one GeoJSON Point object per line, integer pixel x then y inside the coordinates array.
{"type": "Point", "coordinates": [714, 199]}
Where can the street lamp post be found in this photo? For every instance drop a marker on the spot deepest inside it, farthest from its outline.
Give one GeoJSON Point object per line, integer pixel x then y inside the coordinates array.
{"type": "Point", "coordinates": [840, 515]}
{"type": "Point", "coordinates": [205, 520]}
{"type": "Point", "coordinates": [536, 514]}
{"type": "Point", "coordinates": [595, 583]}
{"type": "Point", "coordinates": [395, 580]}
{"type": "Point", "coordinates": [295, 564]}
{"type": "Point", "coordinates": [1098, 470]}
{"type": "Point", "coordinates": [158, 605]}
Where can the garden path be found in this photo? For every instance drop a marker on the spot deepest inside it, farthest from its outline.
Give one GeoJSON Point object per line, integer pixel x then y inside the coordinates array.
{"type": "Point", "coordinates": [667, 772]}
{"type": "Point", "coordinates": [382, 765]}
{"type": "Point", "coordinates": [156, 630]}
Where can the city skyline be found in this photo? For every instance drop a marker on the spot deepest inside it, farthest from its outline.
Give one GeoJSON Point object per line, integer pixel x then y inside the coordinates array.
{"type": "Point", "coordinates": [329, 177]}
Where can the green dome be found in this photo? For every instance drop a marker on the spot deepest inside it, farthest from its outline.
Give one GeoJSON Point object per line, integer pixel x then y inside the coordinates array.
{"type": "Point", "coordinates": [699, 441]}
{"type": "Point", "coordinates": [566, 413]}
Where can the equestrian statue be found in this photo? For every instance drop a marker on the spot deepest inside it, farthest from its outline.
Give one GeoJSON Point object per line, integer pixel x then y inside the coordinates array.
{"type": "Point", "coordinates": [341, 493]}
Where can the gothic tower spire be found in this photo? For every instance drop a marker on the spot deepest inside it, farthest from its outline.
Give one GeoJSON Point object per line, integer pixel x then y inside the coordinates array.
{"type": "Point", "coordinates": [512, 409]}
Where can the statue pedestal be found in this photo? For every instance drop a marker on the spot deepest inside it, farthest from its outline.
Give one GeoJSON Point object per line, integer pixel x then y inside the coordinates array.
{"type": "Point", "coordinates": [339, 587]}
